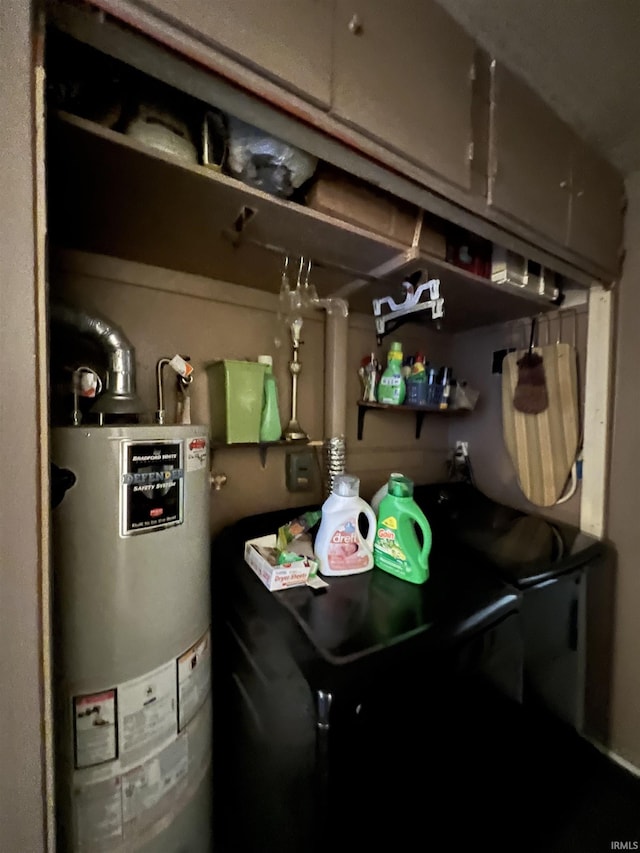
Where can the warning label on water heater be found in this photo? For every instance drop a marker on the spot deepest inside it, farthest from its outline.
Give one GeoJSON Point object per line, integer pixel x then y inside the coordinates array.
{"type": "Point", "coordinates": [95, 727]}
{"type": "Point", "coordinates": [152, 483]}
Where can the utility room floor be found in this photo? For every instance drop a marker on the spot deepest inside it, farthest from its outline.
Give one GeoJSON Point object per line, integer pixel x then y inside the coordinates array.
{"type": "Point", "coordinates": [499, 779]}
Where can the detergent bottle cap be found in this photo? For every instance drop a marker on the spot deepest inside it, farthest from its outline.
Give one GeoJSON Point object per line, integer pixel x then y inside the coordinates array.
{"type": "Point", "coordinates": [396, 346]}
{"type": "Point", "coordinates": [265, 359]}
{"type": "Point", "coordinates": [346, 485]}
{"type": "Point", "coordinates": [400, 486]}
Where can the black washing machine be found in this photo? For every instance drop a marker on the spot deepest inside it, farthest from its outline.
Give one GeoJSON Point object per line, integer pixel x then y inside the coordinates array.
{"type": "Point", "coordinates": [329, 706]}
{"type": "Point", "coordinates": [552, 565]}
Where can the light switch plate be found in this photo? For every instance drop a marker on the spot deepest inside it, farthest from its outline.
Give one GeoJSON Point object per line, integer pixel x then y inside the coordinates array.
{"type": "Point", "coordinates": [299, 471]}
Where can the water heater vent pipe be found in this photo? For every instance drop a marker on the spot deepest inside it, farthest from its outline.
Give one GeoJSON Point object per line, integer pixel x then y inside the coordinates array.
{"type": "Point", "coordinates": [119, 397]}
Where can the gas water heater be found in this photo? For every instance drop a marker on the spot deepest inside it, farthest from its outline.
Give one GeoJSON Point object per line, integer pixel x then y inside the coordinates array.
{"type": "Point", "coordinates": [132, 646]}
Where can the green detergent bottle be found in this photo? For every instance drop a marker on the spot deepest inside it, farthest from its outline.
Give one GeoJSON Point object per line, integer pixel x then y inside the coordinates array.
{"type": "Point", "coordinates": [396, 547]}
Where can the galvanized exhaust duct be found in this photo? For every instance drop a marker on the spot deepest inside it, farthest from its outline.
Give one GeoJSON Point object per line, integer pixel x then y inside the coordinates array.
{"type": "Point", "coordinates": [119, 397]}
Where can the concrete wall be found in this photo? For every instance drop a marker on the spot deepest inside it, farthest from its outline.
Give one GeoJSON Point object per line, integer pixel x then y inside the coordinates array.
{"type": "Point", "coordinates": [624, 495]}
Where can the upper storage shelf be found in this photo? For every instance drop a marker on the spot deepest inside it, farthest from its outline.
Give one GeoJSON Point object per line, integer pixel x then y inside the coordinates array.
{"type": "Point", "coordinates": [111, 194]}
{"type": "Point", "coordinates": [458, 144]}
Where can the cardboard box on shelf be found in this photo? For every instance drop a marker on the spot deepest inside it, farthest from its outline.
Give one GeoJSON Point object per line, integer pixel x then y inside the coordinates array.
{"type": "Point", "coordinates": [510, 268]}
{"type": "Point", "coordinates": [339, 194]}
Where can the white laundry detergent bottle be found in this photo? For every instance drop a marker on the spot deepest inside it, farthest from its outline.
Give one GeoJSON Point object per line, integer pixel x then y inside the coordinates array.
{"type": "Point", "coordinates": [382, 492]}
{"type": "Point", "coordinates": [340, 547]}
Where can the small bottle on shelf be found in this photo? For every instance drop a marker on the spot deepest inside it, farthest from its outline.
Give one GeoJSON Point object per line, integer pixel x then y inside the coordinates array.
{"type": "Point", "coordinates": [433, 388]}
{"type": "Point", "coordinates": [392, 386]}
{"type": "Point", "coordinates": [270, 425]}
{"type": "Point", "coordinates": [417, 383]}
{"type": "Point", "coordinates": [445, 387]}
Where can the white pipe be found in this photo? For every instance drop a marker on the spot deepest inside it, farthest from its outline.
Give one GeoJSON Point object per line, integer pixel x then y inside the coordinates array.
{"type": "Point", "coordinates": [335, 366]}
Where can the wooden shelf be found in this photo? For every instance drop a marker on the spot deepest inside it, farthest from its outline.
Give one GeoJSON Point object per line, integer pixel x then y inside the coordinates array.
{"type": "Point", "coordinates": [470, 301]}
{"type": "Point", "coordinates": [419, 411]}
{"type": "Point", "coordinates": [111, 194]}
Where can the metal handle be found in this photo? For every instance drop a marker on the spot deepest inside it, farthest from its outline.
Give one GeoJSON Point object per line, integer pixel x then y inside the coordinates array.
{"type": "Point", "coordinates": [355, 26]}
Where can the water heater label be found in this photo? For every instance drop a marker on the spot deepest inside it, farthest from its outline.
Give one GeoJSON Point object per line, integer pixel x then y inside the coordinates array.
{"type": "Point", "coordinates": [152, 486]}
{"type": "Point", "coordinates": [154, 768]}
{"type": "Point", "coordinates": [147, 713]}
{"type": "Point", "coordinates": [95, 727]}
{"type": "Point", "coordinates": [98, 815]}
{"type": "Point", "coordinates": [146, 787]}
{"type": "Point", "coordinates": [194, 680]}
{"type": "Point", "coordinates": [196, 453]}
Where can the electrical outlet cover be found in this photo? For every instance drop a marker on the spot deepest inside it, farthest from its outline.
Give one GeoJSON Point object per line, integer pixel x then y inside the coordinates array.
{"type": "Point", "coordinates": [299, 471]}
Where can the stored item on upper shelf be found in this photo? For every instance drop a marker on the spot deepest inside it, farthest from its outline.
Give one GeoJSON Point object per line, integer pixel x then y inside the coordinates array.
{"type": "Point", "coordinates": [265, 162]}
{"type": "Point", "coordinates": [392, 387]}
{"type": "Point", "coordinates": [469, 252]}
{"type": "Point", "coordinates": [235, 400]}
{"type": "Point", "coordinates": [157, 127]}
{"type": "Point", "coordinates": [346, 197]}
{"type": "Point", "coordinates": [511, 268]}
{"type": "Point", "coordinates": [83, 82]}
{"type": "Point", "coordinates": [340, 547]}
{"type": "Point", "coordinates": [433, 239]}
{"type": "Point", "coordinates": [397, 549]}
{"type": "Point", "coordinates": [215, 140]}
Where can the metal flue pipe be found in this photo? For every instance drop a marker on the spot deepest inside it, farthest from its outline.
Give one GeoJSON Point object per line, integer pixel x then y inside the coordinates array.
{"type": "Point", "coordinates": [120, 395]}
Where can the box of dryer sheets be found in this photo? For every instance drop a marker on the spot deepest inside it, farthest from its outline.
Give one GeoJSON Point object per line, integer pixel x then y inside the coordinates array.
{"type": "Point", "coordinates": [257, 553]}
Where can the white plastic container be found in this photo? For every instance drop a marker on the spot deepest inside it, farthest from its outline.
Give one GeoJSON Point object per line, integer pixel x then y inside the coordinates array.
{"type": "Point", "coordinates": [382, 492]}
{"type": "Point", "coordinates": [340, 548]}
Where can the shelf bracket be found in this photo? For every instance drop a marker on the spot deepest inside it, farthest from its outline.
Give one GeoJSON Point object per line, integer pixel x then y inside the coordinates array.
{"type": "Point", "coordinates": [361, 413]}
{"type": "Point", "coordinates": [363, 409]}
{"type": "Point", "coordinates": [411, 305]}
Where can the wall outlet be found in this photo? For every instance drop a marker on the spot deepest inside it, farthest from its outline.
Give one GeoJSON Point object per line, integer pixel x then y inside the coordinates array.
{"type": "Point", "coordinates": [299, 471]}
{"type": "Point", "coordinates": [462, 448]}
